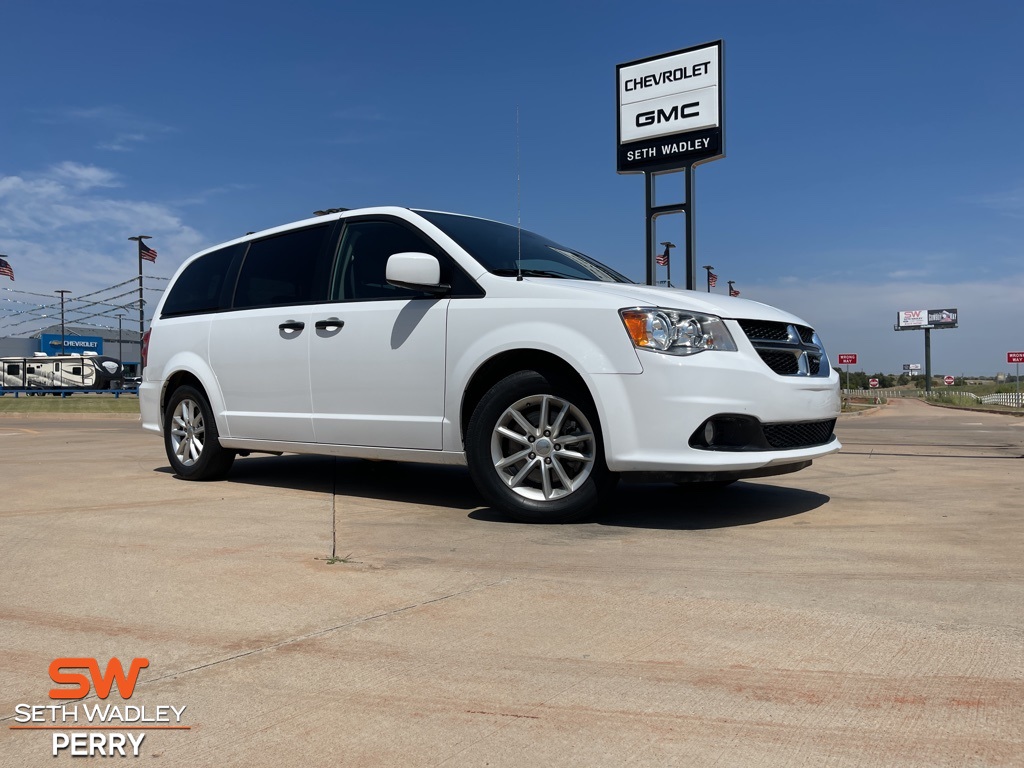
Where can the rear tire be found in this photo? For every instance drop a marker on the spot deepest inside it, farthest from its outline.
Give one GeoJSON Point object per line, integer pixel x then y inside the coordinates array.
{"type": "Point", "coordinates": [191, 438]}
{"type": "Point", "coordinates": [534, 449]}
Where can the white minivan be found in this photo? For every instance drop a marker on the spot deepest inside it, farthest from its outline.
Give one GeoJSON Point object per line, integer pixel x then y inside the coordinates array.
{"type": "Point", "coordinates": [410, 335]}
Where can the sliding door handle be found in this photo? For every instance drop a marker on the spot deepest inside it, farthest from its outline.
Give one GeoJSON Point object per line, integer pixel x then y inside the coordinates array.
{"type": "Point", "coordinates": [330, 324]}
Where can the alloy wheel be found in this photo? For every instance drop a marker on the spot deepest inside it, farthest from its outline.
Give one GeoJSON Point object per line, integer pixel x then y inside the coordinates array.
{"type": "Point", "coordinates": [542, 448]}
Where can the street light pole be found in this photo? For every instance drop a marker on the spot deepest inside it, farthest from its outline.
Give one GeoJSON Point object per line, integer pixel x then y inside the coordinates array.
{"type": "Point", "coordinates": [120, 352]}
{"type": "Point", "coordinates": [142, 319]}
{"type": "Point", "coordinates": [62, 291]}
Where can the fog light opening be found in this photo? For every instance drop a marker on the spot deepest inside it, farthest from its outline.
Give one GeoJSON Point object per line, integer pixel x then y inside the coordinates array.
{"type": "Point", "coordinates": [709, 433]}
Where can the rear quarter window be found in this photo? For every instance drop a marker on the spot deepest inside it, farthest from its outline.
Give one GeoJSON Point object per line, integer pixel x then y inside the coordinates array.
{"type": "Point", "coordinates": [201, 286]}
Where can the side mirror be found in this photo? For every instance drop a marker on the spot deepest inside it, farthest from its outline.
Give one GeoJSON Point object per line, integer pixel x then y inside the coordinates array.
{"type": "Point", "coordinates": [418, 271]}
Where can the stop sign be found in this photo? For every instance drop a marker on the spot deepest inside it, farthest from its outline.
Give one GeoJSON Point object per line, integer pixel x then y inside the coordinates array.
{"type": "Point", "coordinates": [872, 383]}
{"type": "Point", "coordinates": [949, 381]}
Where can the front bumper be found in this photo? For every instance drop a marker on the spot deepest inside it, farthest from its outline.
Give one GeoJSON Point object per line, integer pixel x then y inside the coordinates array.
{"type": "Point", "coordinates": [648, 418]}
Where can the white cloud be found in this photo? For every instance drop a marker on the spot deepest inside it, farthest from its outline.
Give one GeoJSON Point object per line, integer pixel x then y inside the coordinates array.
{"type": "Point", "coordinates": [1009, 203]}
{"type": "Point", "coordinates": [62, 228]}
{"type": "Point", "coordinates": [83, 176]}
{"type": "Point", "coordinates": [118, 129]}
{"type": "Point", "coordinates": [123, 142]}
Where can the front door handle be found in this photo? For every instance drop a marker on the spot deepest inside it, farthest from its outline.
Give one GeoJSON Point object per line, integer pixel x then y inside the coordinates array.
{"type": "Point", "coordinates": [330, 324]}
{"type": "Point", "coordinates": [292, 325]}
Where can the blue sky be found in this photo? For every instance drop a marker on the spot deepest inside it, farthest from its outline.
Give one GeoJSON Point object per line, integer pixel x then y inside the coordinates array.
{"type": "Point", "coordinates": [874, 157]}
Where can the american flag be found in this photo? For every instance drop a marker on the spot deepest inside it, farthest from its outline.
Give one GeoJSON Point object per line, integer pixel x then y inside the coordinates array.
{"type": "Point", "coordinates": [733, 292]}
{"type": "Point", "coordinates": [146, 252]}
{"type": "Point", "coordinates": [712, 279]}
{"type": "Point", "coordinates": [662, 258]}
{"type": "Point", "coordinates": [6, 269]}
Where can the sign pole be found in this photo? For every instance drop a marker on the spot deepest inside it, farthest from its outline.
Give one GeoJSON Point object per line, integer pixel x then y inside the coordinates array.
{"type": "Point", "coordinates": [653, 212]}
{"type": "Point", "coordinates": [927, 360]}
{"type": "Point", "coordinates": [691, 233]}
{"type": "Point", "coordinates": [649, 195]}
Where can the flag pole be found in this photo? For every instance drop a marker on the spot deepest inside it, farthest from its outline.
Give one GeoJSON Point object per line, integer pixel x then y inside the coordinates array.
{"type": "Point", "coordinates": [708, 267]}
{"type": "Point", "coordinates": [142, 312]}
{"type": "Point", "coordinates": [668, 262]}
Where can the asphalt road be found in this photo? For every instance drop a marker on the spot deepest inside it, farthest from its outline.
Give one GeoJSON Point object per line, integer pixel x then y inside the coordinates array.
{"type": "Point", "coordinates": [310, 611]}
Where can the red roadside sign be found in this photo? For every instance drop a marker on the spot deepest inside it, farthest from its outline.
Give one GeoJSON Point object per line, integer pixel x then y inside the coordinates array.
{"type": "Point", "coordinates": [872, 383]}
{"type": "Point", "coordinates": [848, 359]}
{"type": "Point", "coordinates": [949, 381]}
{"type": "Point", "coordinates": [1011, 357]}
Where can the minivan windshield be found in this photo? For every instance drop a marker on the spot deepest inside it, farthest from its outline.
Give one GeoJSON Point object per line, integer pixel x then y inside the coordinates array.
{"type": "Point", "coordinates": [507, 250]}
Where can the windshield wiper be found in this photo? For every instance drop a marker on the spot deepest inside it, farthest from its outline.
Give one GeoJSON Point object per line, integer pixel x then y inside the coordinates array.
{"type": "Point", "coordinates": [533, 273]}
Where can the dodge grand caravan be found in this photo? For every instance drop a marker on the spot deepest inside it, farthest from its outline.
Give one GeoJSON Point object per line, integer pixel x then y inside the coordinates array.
{"type": "Point", "coordinates": [409, 335]}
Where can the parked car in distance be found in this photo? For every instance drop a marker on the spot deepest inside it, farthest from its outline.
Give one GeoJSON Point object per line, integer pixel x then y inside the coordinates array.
{"type": "Point", "coordinates": [411, 335]}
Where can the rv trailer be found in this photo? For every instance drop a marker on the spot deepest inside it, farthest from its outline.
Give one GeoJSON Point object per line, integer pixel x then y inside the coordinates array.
{"type": "Point", "coordinates": [86, 371]}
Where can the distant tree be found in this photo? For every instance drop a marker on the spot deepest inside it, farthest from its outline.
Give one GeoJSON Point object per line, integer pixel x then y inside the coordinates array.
{"type": "Point", "coordinates": [858, 380]}
{"type": "Point", "coordinates": [903, 380]}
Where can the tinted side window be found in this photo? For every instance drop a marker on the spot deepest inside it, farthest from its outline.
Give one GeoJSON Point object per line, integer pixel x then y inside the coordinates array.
{"type": "Point", "coordinates": [282, 270]}
{"type": "Point", "coordinates": [199, 288]}
{"type": "Point", "coordinates": [363, 258]}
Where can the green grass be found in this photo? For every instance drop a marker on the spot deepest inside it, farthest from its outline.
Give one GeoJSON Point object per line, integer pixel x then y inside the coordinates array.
{"type": "Point", "coordinates": [78, 403]}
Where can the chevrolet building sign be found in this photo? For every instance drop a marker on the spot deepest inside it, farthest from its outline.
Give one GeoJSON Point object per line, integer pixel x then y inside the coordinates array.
{"type": "Point", "coordinates": [670, 110]}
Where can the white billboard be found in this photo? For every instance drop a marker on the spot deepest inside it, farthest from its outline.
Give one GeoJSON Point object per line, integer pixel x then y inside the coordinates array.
{"type": "Point", "coordinates": [912, 318]}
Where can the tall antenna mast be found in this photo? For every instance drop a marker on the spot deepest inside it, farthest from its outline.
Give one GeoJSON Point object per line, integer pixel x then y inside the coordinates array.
{"type": "Point", "coordinates": [519, 207]}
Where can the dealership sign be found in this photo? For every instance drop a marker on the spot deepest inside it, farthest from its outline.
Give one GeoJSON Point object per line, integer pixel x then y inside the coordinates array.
{"type": "Point", "coordinates": [670, 110]}
{"type": "Point", "coordinates": [73, 345]}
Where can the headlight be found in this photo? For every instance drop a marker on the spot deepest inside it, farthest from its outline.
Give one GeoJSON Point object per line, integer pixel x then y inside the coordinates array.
{"type": "Point", "coordinates": [675, 331]}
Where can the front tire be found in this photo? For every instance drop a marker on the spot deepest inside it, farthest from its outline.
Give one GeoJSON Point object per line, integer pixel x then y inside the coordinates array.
{"type": "Point", "coordinates": [191, 439]}
{"type": "Point", "coordinates": [534, 450]}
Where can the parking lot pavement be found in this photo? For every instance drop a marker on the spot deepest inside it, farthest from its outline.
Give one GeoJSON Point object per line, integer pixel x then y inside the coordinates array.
{"type": "Point", "coordinates": [311, 611]}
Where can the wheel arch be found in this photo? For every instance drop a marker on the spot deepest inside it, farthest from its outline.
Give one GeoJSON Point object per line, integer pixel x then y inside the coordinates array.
{"type": "Point", "coordinates": [184, 377]}
{"type": "Point", "coordinates": [508, 362]}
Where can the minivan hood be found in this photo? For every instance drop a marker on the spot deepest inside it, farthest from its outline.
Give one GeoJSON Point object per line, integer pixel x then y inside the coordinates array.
{"type": "Point", "coordinates": [676, 298]}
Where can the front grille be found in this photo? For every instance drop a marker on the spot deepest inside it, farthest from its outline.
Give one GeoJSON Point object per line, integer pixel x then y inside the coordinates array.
{"type": "Point", "coordinates": [788, 349]}
{"type": "Point", "coordinates": [799, 435]}
{"type": "Point", "coordinates": [784, 363]}
{"type": "Point", "coordinates": [762, 330]}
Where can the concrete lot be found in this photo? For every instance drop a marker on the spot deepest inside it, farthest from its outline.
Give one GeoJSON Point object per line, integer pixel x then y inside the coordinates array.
{"type": "Point", "coordinates": [867, 611]}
